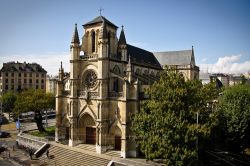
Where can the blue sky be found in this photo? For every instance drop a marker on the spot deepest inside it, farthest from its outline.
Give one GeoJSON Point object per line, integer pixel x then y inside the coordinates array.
{"type": "Point", "coordinates": [40, 31]}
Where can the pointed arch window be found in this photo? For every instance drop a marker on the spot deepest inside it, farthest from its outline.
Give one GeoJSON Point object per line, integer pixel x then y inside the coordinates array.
{"type": "Point", "coordinates": [93, 40]}
{"type": "Point", "coordinates": [116, 85]}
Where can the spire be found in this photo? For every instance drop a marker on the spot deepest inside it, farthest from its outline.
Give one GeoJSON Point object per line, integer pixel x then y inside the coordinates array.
{"type": "Point", "coordinates": [75, 38]}
{"type": "Point", "coordinates": [103, 31]}
{"type": "Point", "coordinates": [61, 72]}
{"type": "Point", "coordinates": [122, 39]}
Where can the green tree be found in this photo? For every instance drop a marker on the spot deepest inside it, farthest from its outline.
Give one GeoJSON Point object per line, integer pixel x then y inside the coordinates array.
{"type": "Point", "coordinates": [35, 101]}
{"type": "Point", "coordinates": [8, 101]}
{"type": "Point", "coordinates": [166, 127]}
{"type": "Point", "coordinates": [234, 106]}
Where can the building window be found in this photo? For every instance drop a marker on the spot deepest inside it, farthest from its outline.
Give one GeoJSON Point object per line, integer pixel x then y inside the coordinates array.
{"type": "Point", "coordinates": [12, 87]}
{"type": "Point", "coordinates": [30, 74]}
{"type": "Point", "coordinates": [25, 75]}
{"type": "Point", "coordinates": [6, 87]}
{"type": "Point", "coordinates": [93, 41]}
{"type": "Point", "coordinates": [20, 74]}
{"type": "Point", "coordinates": [25, 81]}
{"type": "Point", "coordinates": [42, 75]}
{"type": "Point", "coordinates": [30, 81]}
{"type": "Point", "coordinates": [42, 81]}
{"type": "Point", "coordinates": [42, 86]}
{"type": "Point", "coordinates": [12, 80]}
{"type": "Point", "coordinates": [19, 81]}
{"type": "Point", "coordinates": [36, 86]}
{"type": "Point", "coordinates": [6, 74]}
{"type": "Point", "coordinates": [116, 85]}
{"type": "Point", "coordinates": [12, 74]}
{"type": "Point", "coordinates": [6, 80]}
{"type": "Point", "coordinates": [37, 81]}
{"type": "Point", "coordinates": [109, 46]}
{"type": "Point", "coordinates": [37, 75]}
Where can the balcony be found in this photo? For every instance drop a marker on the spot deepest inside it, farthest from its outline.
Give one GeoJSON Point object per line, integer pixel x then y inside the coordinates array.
{"type": "Point", "coordinates": [87, 95]}
{"type": "Point", "coordinates": [115, 94]}
{"type": "Point", "coordinates": [90, 56]}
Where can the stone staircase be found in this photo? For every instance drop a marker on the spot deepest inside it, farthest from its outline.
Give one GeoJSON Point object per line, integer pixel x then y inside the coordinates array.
{"type": "Point", "coordinates": [88, 147]}
{"type": "Point", "coordinates": [62, 155]}
{"type": "Point", "coordinates": [113, 153]}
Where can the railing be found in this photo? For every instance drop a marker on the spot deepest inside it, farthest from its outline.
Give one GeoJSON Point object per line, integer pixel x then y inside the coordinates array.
{"type": "Point", "coordinates": [40, 145]}
{"type": "Point", "coordinates": [66, 93]}
{"type": "Point", "coordinates": [86, 94]}
{"type": "Point", "coordinates": [90, 56]}
{"type": "Point", "coordinates": [30, 141]}
{"type": "Point", "coordinates": [115, 94]}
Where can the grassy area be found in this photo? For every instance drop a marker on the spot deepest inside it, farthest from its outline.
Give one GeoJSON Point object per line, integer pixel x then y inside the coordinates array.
{"type": "Point", "coordinates": [50, 131]}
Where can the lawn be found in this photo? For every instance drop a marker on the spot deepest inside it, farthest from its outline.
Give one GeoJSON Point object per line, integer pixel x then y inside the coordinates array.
{"type": "Point", "coordinates": [50, 131]}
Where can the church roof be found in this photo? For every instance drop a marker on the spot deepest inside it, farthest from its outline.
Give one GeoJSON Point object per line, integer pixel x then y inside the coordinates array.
{"type": "Point", "coordinates": [140, 56]}
{"type": "Point", "coordinates": [100, 19]}
{"type": "Point", "coordinates": [184, 57]}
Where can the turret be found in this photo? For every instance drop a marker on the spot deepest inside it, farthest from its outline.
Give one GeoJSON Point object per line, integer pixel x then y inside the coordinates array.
{"type": "Point", "coordinates": [103, 41]}
{"type": "Point", "coordinates": [122, 46]}
{"type": "Point", "coordinates": [75, 45]}
{"type": "Point", "coordinates": [61, 73]}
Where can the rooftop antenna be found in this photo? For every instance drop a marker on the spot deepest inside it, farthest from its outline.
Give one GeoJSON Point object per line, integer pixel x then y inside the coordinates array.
{"type": "Point", "coordinates": [100, 10]}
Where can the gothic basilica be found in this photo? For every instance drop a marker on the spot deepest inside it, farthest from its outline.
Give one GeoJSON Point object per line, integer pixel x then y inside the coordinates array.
{"type": "Point", "coordinates": [106, 83]}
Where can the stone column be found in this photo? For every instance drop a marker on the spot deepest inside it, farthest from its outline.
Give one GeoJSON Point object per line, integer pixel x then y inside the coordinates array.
{"type": "Point", "coordinates": [124, 142]}
{"type": "Point", "coordinates": [73, 136]}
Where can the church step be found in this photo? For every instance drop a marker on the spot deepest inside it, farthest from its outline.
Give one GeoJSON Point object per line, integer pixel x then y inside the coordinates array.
{"type": "Point", "coordinates": [113, 153]}
{"type": "Point", "coordinates": [87, 147]}
{"type": "Point", "coordinates": [63, 156]}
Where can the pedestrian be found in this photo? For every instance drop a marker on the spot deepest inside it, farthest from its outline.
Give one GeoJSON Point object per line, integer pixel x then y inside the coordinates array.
{"type": "Point", "coordinates": [47, 153]}
{"type": "Point", "coordinates": [30, 153]}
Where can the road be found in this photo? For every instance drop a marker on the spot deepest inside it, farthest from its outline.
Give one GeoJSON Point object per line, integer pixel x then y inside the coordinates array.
{"type": "Point", "coordinates": [26, 126]}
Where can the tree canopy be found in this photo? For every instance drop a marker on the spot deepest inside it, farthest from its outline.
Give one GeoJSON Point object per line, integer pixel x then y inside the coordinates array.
{"type": "Point", "coordinates": [234, 106]}
{"type": "Point", "coordinates": [35, 100]}
{"type": "Point", "coordinates": [166, 126]}
{"type": "Point", "coordinates": [8, 102]}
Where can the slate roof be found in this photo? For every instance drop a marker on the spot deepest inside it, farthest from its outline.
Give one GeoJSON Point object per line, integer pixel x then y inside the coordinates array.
{"type": "Point", "coordinates": [184, 57]}
{"type": "Point", "coordinates": [22, 67]}
{"type": "Point", "coordinates": [75, 38]}
{"type": "Point", "coordinates": [100, 19]}
{"type": "Point", "coordinates": [122, 39]}
{"type": "Point", "coordinates": [142, 57]}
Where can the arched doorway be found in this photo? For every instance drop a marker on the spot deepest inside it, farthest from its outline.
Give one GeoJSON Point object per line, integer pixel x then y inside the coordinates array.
{"type": "Point", "coordinates": [87, 129]}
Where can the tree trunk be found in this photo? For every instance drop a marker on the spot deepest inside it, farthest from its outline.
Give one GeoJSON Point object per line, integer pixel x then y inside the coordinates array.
{"type": "Point", "coordinates": [39, 121]}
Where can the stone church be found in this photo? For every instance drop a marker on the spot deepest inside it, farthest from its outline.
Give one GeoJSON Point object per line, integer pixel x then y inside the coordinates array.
{"type": "Point", "coordinates": [106, 83]}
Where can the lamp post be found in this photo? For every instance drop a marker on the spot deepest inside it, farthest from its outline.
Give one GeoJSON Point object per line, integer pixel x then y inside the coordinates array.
{"type": "Point", "coordinates": [197, 141]}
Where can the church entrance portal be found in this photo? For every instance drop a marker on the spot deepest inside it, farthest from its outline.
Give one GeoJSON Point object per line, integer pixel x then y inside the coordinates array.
{"type": "Point", "coordinates": [90, 135]}
{"type": "Point", "coordinates": [87, 130]}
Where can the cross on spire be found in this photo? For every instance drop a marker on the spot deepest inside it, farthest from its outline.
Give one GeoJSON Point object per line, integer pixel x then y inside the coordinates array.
{"type": "Point", "coordinates": [100, 10]}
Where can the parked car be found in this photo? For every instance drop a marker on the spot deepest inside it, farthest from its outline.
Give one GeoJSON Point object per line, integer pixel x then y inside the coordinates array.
{"type": "Point", "coordinates": [4, 134]}
{"type": "Point", "coordinates": [3, 148]}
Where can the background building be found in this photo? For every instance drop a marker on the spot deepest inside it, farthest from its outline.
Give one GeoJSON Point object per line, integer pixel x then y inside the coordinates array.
{"type": "Point", "coordinates": [51, 82]}
{"type": "Point", "coordinates": [16, 76]}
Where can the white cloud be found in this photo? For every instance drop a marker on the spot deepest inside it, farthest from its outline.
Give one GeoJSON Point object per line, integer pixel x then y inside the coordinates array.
{"type": "Point", "coordinates": [227, 64]}
{"type": "Point", "coordinates": [204, 60]}
{"type": "Point", "coordinates": [50, 62]}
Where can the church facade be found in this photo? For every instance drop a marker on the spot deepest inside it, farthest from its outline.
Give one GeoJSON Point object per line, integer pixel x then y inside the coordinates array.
{"type": "Point", "coordinates": [105, 86]}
